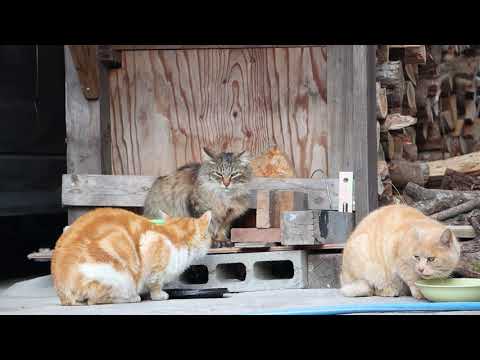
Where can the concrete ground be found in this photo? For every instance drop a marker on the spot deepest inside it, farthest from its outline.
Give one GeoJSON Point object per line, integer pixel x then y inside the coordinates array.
{"type": "Point", "coordinates": [37, 296]}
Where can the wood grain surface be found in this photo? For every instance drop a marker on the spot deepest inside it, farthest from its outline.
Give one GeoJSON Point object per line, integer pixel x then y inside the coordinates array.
{"type": "Point", "coordinates": [167, 104]}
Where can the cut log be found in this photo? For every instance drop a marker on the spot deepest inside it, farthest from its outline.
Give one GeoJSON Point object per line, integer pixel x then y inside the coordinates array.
{"type": "Point", "coordinates": [430, 207]}
{"type": "Point", "coordinates": [382, 104]}
{"type": "Point", "coordinates": [388, 145]}
{"type": "Point", "coordinates": [415, 55]}
{"type": "Point", "coordinates": [411, 70]}
{"type": "Point", "coordinates": [390, 74]}
{"type": "Point", "coordinates": [433, 155]}
{"type": "Point", "coordinates": [382, 54]}
{"type": "Point", "coordinates": [446, 121]}
{"type": "Point", "coordinates": [410, 152]}
{"type": "Point", "coordinates": [429, 70]}
{"type": "Point", "coordinates": [434, 133]}
{"type": "Point", "coordinates": [395, 98]}
{"type": "Point", "coordinates": [454, 180]}
{"type": "Point", "coordinates": [470, 108]}
{"type": "Point", "coordinates": [399, 121]}
{"type": "Point", "coordinates": [403, 172]}
{"type": "Point", "coordinates": [411, 105]}
{"type": "Point", "coordinates": [458, 127]}
{"type": "Point", "coordinates": [452, 107]}
{"type": "Point", "coordinates": [455, 145]}
{"type": "Point", "coordinates": [465, 164]}
{"type": "Point", "coordinates": [419, 193]}
{"type": "Point", "coordinates": [397, 147]}
{"type": "Point", "coordinates": [456, 210]}
{"type": "Point", "coordinates": [469, 264]}
{"type": "Point", "coordinates": [411, 132]}
{"type": "Point", "coordinates": [474, 219]}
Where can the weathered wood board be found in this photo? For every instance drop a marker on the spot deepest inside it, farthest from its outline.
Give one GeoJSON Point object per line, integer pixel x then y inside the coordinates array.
{"type": "Point", "coordinates": [297, 227]}
{"type": "Point", "coordinates": [130, 191]}
{"type": "Point", "coordinates": [253, 235]}
{"type": "Point", "coordinates": [167, 104]}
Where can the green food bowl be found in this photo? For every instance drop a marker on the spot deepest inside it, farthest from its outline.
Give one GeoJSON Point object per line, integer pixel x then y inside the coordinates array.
{"type": "Point", "coordinates": [441, 290]}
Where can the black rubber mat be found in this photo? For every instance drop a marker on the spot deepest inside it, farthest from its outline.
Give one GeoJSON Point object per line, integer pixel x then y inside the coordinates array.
{"type": "Point", "coordinates": [196, 293]}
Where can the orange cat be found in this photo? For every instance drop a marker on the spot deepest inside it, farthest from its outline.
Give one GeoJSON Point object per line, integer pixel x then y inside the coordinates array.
{"type": "Point", "coordinates": [392, 248]}
{"type": "Point", "coordinates": [113, 256]}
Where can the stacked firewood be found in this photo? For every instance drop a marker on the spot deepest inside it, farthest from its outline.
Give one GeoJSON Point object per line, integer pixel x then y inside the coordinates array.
{"type": "Point", "coordinates": [428, 117]}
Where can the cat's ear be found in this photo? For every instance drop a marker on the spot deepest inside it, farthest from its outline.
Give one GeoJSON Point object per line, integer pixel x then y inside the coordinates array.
{"type": "Point", "coordinates": [206, 217]}
{"type": "Point", "coordinates": [446, 239]}
{"type": "Point", "coordinates": [244, 157]}
{"type": "Point", "coordinates": [208, 155]}
{"type": "Point", "coordinates": [163, 215]}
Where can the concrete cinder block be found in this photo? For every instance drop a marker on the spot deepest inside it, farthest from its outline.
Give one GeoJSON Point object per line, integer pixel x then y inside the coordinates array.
{"type": "Point", "coordinates": [241, 272]}
{"type": "Point", "coordinates": [324, 271]}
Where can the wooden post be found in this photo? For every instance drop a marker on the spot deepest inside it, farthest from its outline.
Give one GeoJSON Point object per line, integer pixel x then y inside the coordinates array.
{"type": "Point", "coordinates": [340, 109]}
{"type": "Point", "coordinates": [352, 120]}
{"type": "Point", "coordinates": [364, 138]}
{"type": "Point", "coordinates": [87, 125]}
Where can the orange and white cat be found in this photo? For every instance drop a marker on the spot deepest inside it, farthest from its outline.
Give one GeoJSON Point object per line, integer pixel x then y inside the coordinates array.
{"type": "Point", "coordinates": [114, 255]}
{"type": "Point", "coordinates": [392, 248]}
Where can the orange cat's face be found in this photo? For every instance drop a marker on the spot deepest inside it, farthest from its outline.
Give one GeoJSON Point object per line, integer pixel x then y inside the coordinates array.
{"type": "Point", "coordinates": [199, 226]}
{"type": "Point", "coordinates": [433, 255]}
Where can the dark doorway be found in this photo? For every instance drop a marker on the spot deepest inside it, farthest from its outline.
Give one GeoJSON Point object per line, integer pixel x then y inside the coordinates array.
{"type": "Point", "coordinates": [32, 154]}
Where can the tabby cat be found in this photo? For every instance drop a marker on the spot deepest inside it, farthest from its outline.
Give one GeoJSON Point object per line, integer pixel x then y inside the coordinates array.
{"type": "Point", "coordinates": [392, 248]}
{"type": "Point", "coordinates": [218, 184]}
{"type": "Point", "coordinates": [114, 256]}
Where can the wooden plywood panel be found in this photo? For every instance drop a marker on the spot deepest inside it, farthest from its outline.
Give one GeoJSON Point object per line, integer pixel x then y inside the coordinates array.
{"type": "Point", "coordinates": [167, 104]}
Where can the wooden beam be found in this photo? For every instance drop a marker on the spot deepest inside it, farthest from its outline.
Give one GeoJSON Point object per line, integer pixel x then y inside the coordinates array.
{"type": "Point", "coordinates": [364, 121]}
{"type": "Point", "coordinates": [340, 109]}
{"type": "Point", "coordinates": [85, 61]}
{"type": "Point", "coordinates": [297, 227]}
{"type": "Point", "coordinates": [243, 235]}
{"type": "Point", "coordinates": [352, 120]}
{"type": "Point", "coordinates": [264, 210]}
{"type": "Point", "coordinates": [131, 190]}
{"type": "Point", "coordinates": [185, 47]}
{"type": "Point", "coordinates": [87, 124]}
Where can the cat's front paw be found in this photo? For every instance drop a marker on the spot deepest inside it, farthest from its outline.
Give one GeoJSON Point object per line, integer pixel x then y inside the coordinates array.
{"type": "Point", "coordinates": [416, 293]}
{"type": "Point", "coordinates": [221, 244]}
{"type": "Point", "coordinates": [159, 295]}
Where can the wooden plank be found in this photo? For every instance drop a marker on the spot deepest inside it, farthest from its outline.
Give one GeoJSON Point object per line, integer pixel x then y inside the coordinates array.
{"type": "Point", "coordinates": [185, 47]}
{"type": "Point", "coordinates": [264, 209]}
{"type": "Point", "coordinates": [87, 125]}
{"type": "Point", "coordinates": [167, 104]}
{"type": "Point", "coordinates": [85, 59]}
{"type": "Point", "coordinates": [130, 191]}
{"type": "Point", "coordinates": [82, 125]}
{"type": "Point", "coordinates": [364, 120]}
{"type": "Point", "coordinates": [463, 231]}
{"type": "Point", "coordinates": [46, 254]}
{"type": "Point", "coordinates": [297, 228]}
{"type": "Point", "coordinates": [334, 227]}
{"type": "Point", "coordinates": [243, 235]}
{"type": "Point", "coordinates": [464, 163]}
{"type": "Point", "coordinates": [105, 124]}
{"type": "Point", "coordinates": [340, 109]}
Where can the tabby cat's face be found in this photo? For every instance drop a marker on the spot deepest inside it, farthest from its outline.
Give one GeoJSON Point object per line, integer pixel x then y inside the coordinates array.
{"type": "Point", "coordinates": [226, 171]}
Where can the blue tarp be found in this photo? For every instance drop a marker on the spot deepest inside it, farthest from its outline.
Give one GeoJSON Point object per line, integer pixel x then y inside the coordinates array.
{"type": "Point", "coordinates": [379, 308]}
